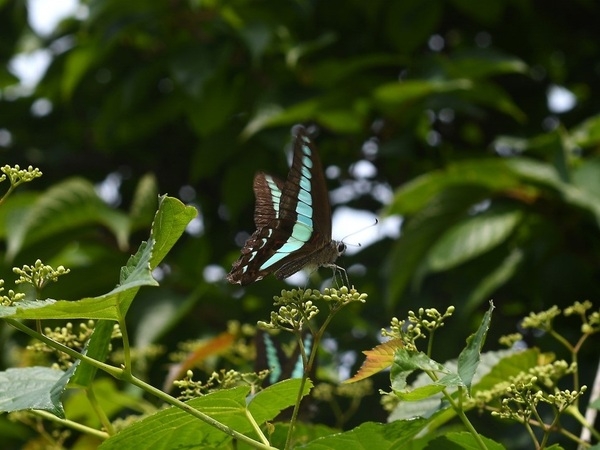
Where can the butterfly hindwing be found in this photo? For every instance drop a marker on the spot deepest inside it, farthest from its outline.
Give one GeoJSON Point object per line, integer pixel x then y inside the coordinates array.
{"type": "Point", "coordinates": [293, 220]}
{"type": "Point", "coordinates": [270, 355]}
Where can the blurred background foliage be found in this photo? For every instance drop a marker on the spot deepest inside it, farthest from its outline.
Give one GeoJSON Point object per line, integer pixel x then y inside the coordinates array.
{"type": "Point", "coordinates": [475, 125]}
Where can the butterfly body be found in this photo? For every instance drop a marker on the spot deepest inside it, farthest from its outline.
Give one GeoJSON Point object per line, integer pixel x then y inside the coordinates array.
{"type": "Point", "coordinates": [293, 221]}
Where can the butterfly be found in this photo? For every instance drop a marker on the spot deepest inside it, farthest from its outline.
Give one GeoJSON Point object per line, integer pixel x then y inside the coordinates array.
{"type": "Point", "coordinates": [270, 355]}
{"type": "Point", "coordinates": [293, 221]}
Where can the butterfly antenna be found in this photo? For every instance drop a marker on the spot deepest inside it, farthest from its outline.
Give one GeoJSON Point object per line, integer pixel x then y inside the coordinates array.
{"type": "Point", "coordinates": [360, 231]}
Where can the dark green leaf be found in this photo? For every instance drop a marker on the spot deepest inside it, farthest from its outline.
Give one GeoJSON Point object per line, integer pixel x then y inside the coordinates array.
{"type": "Point", "coordinates": [462, 441]}
{"type": "Point", "coordinates": [67, 205]}
{"type": "Point", "coordinates": [371, 435]}
{"type": "Point", "coordinates": [471, 237]}
{"type": "Point", "coordinates": [34, 388]}
{"type": "Point", "coordinates": [469, 358]}
{"type": "Point", "coordinates": [173, 427]}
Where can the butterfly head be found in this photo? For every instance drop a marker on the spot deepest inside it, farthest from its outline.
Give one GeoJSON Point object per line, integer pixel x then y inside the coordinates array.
{"type": "Point", "coordinates": [340, 247]}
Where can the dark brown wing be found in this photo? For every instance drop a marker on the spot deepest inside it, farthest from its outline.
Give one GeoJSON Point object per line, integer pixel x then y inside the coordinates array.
{"type": "Point", "coordinates": [267, 190]}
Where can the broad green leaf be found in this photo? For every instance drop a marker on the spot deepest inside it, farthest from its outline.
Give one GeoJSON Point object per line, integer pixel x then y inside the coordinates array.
{"type": "Point", "coordinates": [405, 363]}
{"type": "Point", "coordinates": [505, 364]}
{"type": "Point", "coordinates": [79, 61]}
{"type": "Point", "coordinates": [108, 306]}
{"type": "Point", "coordinates": [269, 402]}
{"type": "Point", "coordinates": [371, 435]}
{"type": "Point", "coordinates": [174, 428]}
{"type": "Point", "coordinates": [547, 176]}
{"type": "Point", "coordinates": [490, 15]}
{"type": "Point", "coordinates": [215, 106]}
{"type": "Point", "coordinates": [169, 224]}
{"type": "Point", "coordinates": [65, 206]}
{"type": "Point", "coordinates": [112, 400]}
{"type": "Point", "coordinates": [34, 388]}
{"type": "Point", "coordinates": [482, 64]}
{"type": "Point", "coordinates": [14, 210]}
{"type": "Point", "coordinates": [408, 24]}
{"type": "Point", "coordinates": [332, 112]}
{"type": "Point", "coordinates": [170, 221]}
{"type": "Point", "coordinates": [303, 432]}
{"type": "Point", "coordinates": [421, 231]}
{"type": "Point", "coordinates": [409, 90]}
{"type": "Point", "coordinates": [587, 133]}
{"type": "Point", "coordinates": [587, 177]}
{"type": "Point", "coordinates": [97, 347]}
{"type": "Point", "coordinates": [462, 441]}
{"type": "Point", "coordinates": [495, 367]}
{"type": "Point", "coordinates": [489, 175]}
{"type": "Point", "coordinates": [492, 96]}
{"type": "Point", "coordinates": [144, 203]}
{"type": "Point", "coordinates": [469, 358]}
{"type": "Point", "coordinates": [497, 277]}
{"type": "Point", "coordinates": [332, 71]}
{"type": "Point", "coordinates": [471, 237]}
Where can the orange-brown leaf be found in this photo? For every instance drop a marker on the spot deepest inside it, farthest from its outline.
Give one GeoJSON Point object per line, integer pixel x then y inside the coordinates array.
{"type": "Point", "coordinates": [378, 359]}
{"type": "Point", "coordinates": [214, 346]}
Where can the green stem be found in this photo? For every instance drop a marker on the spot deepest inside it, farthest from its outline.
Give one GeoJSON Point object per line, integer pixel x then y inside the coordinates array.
{"type": "Point", "coordinates": [126, 347]}
{"type": "Point", "coordinates": [104, 420]}
{"type": "Point", "coordinates": [70, 424]}
{"type": "Point", "coordinates": [111, 370]}
{"type": "Point", "coordinates": [256, 427]}
{"type": "Point", "coordinates": [307, 369]}
{"type": "Point", "coordinates": [574, 412]}
{"type": "Point", "coordinates": [121, 374]}
{"type": "Point", "coordinates": [463, 417]}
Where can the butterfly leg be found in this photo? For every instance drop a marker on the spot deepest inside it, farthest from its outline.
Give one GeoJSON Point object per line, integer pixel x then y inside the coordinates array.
{"type": "Point", "coordinates": [344, 278]}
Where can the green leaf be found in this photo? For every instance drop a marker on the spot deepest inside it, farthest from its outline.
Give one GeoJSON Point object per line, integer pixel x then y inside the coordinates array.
{"type": "Point", "coordinates": [65, 206]}
{"type": "Point", "coordinates": [489, 175]}
{"type": "Point", "coordinates": [490, 282]}
{"type": "Point", "coordinates": [97, 347]}
{"type": "Point", "coordinates": [469, 358]}
{"type": "Point", "coordinates": [369, 435]}
{"type": "Point", "coordinates": [110, 398]}
{"type": "Point", "coordinates": [34, 388]}
{"type": "Point", "coordinates": [422, 231]}
{"type": "Point", "coordinates": [144, 203]}
{"type": "Point", "coordinates": [405, 363]}
{"type": "Point", "coordinates": [78, 62]}
{"type": "Point", "coordinates": [331, 72]}
{"type": "Point", "coordinates": [502, 366]}
{"type": "Point", "coordinates": [269, 402]}
{"type": "Point", "coordinates": [398, 93]}
{"type": "Point", "coordinates": [482, 64]}
{"type": "Point", "coordinates": [462, 441]}
{"type": "Point", "coordinates": [408, 24]}
{"type": "Point", "coordinates": [174, 428]}
{"type": "Point", "coordinates": [169, 224]}
{"type": "Point", "coordinates": [587, 133]}
{"type": "Point", "coordinates": [472, 237]}
{"type": "Point", "coordinates": [545, 175]}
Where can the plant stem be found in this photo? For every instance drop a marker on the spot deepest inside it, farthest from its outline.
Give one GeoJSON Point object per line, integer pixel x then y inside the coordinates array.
{"type": "Point", "coordinates": [111, 370]}
{"type": "Point", "coordinates": [463, 417]}
{"type": "Point", "coordinates": [99, 411]}
{"type": "Point", "coordinates": [256, 427]}
{"type": "Point", "coordinates": [127, 366]}
{"type": "Point", "coordinates": [71, 424]}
